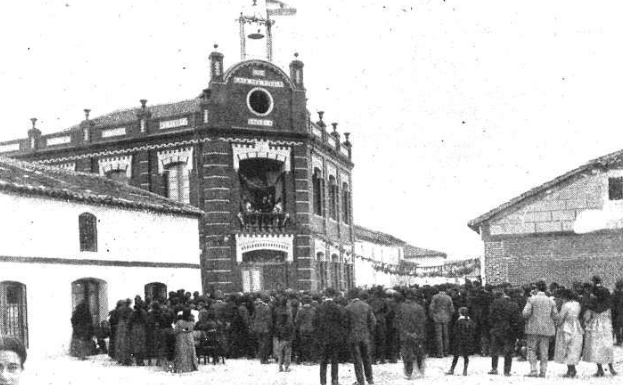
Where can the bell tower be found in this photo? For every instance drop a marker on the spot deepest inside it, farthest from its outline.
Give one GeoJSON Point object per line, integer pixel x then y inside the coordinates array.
{"type": "Point", "coordinates": [256, 20]}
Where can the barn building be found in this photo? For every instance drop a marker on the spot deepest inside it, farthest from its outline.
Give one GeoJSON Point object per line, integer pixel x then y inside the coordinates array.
{"type": "Point", "coordinates": [563, 231]}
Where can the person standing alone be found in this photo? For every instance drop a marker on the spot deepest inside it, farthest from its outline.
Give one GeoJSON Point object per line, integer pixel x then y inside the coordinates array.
{"type": "Point", "coordinates": [361, 326]}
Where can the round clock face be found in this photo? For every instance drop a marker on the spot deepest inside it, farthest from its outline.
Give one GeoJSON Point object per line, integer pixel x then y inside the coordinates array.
{"type": "Point", "coordinates": [260, 101]}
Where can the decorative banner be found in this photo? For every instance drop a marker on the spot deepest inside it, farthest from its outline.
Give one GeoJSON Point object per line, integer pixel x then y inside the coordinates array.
{"type": "Point", "coordinates": [278, 242]}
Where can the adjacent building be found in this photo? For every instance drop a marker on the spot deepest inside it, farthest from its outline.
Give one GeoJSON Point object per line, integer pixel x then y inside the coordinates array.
{"type": "Point", "coordinates": [565, 230]}
{"type": "Point", "coordinates": [69, 237]}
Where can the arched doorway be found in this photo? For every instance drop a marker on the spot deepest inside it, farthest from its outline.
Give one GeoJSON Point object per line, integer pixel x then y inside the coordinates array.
{"type": "Point", "coordinates": [156, 291]}
{"type": "Point", "coordinates": [13, 310]}
{"type": "Point", "coordinates": [93, 291]}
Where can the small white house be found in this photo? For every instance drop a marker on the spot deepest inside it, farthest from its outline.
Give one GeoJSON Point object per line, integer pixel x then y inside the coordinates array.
{"type": "Point", "coordinates": [67, 237]}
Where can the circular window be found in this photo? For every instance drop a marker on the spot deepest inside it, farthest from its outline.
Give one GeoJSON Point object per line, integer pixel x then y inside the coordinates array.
{"type": "Point", "coordinates": [260, 102]}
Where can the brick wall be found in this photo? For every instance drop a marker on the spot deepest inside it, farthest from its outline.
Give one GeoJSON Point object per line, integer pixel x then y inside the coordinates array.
{"type": "Point", "coordinates": [562, 258]}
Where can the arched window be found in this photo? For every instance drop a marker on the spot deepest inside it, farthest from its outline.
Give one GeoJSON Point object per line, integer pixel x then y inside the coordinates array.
{"type": "Point", "coordinates": [345, 203]}
{"type": "Point", "coordinates": [317, 190]}
{"type": "Point", "coordinates": [94, 293]}
{"type": "Point", "coordinates": [118, 175]}
{"type": "Point", "coordinates": [13, 310]}
{"type": "Point", "coordinates": [87, 224]}
{"type": "Point", "coordinates": [332, 197]}
{"type": "Point", "coordinates": [156, 291]}
{"type": "Point", "coordinates": [178, 185]}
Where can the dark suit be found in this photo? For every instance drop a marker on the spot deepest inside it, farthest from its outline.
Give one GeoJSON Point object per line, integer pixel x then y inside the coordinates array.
{"type": "Point", "coordinates": [262, 327]}
{"type": "Point", "coordinates": [411, 324]}
{"type": "Point", "coordinates": [329, 325]}
{"type": "Point", "coordinates": [504, 320]}
{"type": "Point", "coordinates": [361, 325]}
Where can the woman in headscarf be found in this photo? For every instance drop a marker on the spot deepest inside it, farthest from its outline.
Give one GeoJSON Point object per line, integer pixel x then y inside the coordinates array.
{"type": "Point", "coordinates": [569, 334]}
{"type": "Point", "coordinates": [82, 344]}
{"type": "Point", "coordinates": [185, 356]}
{"type": "Point", "coordinates": [598, 342]}
{"type": "Point", "coordinates": [138, 332]}
{"type": "Point", "coordinates": [123, 347]}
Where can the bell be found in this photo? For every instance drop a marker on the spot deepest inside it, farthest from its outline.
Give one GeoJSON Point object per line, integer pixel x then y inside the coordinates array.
{"type": "Point", "coordinates": [256, 36]}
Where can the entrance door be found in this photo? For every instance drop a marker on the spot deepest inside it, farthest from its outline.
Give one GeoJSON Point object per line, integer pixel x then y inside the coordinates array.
{"type": "Point", "coordinates": [13, 316]}
{"type": "Point", "coordinates": [93, 292]}
{"type": "Point", "coordinates": [252, 279]}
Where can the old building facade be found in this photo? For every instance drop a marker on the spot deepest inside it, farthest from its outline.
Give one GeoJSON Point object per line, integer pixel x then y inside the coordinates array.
{"type": "Point", "coordinates": [69, 238]}
{"type": "Point", "coordinates": [565, 230]}
{"type": "Point", "coordinates": [275, 186]}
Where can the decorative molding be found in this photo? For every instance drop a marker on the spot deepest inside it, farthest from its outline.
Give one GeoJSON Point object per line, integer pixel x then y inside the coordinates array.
{"type": "Point", "coordinates": [261, 149]}
{"type": "Point", "coordinates": [279, 242]}
{"type": "Point", "coordinates": [258, 64]}
{"type": "Point", "coordinates": [252, 141]}
{"type": "Point", "coordinates": [331, 170]}
{"type": "Point", "coordinates": [320, 247]}
{"type": "Point", "coordinates": [123, 163]}
{"type": "Point", "coordinates": [344, 177]}
{"type": "Point", "coordinates": [65, 166]}
{"type": "Point", "coordinates": [124, 151]}
{"type": "Point", "coordinates": [177, 155]}
{"type": "Point", "coordinates": [97, 262]}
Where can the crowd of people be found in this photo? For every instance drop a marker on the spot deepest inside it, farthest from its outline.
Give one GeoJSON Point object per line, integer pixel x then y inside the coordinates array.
{"type": "Point", "coordinates": [366, 327]}
{"type": "Point", "coordinates": [266, 214]}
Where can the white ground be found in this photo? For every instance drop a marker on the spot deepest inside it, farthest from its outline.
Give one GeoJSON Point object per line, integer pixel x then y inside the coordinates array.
{"type": "Point", "coordinates": [101, 370]}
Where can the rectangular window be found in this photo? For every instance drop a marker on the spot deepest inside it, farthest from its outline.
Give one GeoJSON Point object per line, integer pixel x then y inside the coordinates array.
{"type": "Point", "coordinates": [87, 225]}
{"type": "Point", "coordinates": [178, 184]}
{"type": "Point", "coordinates": [615, 189]}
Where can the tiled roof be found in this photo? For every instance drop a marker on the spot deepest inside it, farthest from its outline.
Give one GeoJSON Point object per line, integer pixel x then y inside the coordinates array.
{"type": "Point", "coordinates": [365, 234]}
{"type": "Point", "coordinates": [36, 179]}
{"type": "Point", "coordinates": [411, 251]}
{"type": "Point", "coordinates": [601, 162]}
{"type": "Point", "coordinates": [157, 111]}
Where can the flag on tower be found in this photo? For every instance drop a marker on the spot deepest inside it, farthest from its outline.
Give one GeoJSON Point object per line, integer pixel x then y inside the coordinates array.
{"type": "Point", "coordinates": [278, 8]}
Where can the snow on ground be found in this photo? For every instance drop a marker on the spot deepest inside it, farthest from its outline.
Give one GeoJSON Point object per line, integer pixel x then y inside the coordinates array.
{"type": "Point", "coordinates": [101, 370]}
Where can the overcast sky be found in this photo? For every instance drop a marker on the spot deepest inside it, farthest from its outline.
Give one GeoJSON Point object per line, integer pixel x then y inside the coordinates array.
{"type": "Point", "coordinates": [454, 106]}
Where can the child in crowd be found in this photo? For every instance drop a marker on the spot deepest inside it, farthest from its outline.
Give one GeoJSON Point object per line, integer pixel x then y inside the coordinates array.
{"type": "Point", "coordinates": [463, 333]}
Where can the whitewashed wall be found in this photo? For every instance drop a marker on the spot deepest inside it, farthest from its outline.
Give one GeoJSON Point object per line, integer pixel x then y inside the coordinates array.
{"type": "Point", "coordinates": [45, 228]}
{"type": "Point", "coordinates": [365, 274]}
{"type": "Point", "coordinates": [48, 295]}
{"type": "Point", "coordinates": [40, 227]}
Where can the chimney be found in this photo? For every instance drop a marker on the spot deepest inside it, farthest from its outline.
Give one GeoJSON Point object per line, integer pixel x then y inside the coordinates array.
{"type": "Point", "coordinates": [86, 127]}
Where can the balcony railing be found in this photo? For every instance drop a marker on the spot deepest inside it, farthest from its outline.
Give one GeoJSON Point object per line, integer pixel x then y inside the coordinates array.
{"type": "Point", "coordinates": [257, 221]}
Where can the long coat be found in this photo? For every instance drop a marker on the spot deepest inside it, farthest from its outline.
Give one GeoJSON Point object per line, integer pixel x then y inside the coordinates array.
{"type": "Point", "coordinates": [330, 324]}
{"type": "Point", "coordinates": [361, 321]}
{"type": "Point", "coordinates": [569, 334]}
{"type": "Point", "coordinates": [504, 318]}
{"type": "Point", "coordinates": [185, 356]}
{"type": "Point", "coordinates": [463, 337]}
{"type": "Point", "coordinates": [262, 318]}
{"type": "Point", "coordinates": [540, 314]}
{"type": "Point", "coordinates": [441, 308]}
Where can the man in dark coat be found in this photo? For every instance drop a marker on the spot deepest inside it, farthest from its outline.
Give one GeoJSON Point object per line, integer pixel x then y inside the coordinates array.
{"type": "Point", "coordinates": [411, 324]}
{"type": "Point", "coordinates": [329, 325]}
{"type": "Point", "coordinates": [441, 311]}
{"type": "Point", "coordinates": [262, 327]}
{"type": "Point", "coordinates": [305, 329]}
{"type": "Point", "coordinates": [617, 312]}
{"type": "Point", "coordinates": [361, 325]}
{"type": "Point", "coordinates": [379, 307]}
{"type": "Point", "coordinates": [504, 319]}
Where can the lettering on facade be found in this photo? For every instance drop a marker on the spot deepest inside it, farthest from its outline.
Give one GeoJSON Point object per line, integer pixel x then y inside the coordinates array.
{"type": "Point", "coordinates": [260, 122]}
{"type": "Point", "coordinates": [112, 132]}
{"type": "Point", "coordinates": [173, 123]}
{"type": "Point", "coordinates": [259, 82]}
{"type": "Point", "coordinates": [58, 140]}
{"type": "Point", "coordinates": [245, 244]}
{"type": "Point", "coordinates": [259, 72]}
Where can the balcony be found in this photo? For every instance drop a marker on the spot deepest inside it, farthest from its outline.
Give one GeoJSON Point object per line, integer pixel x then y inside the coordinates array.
{"type": "Point", "coordinates": [257, 221]}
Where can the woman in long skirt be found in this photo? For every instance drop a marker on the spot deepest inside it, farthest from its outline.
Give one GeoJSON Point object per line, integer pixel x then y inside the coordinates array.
{"type": "Point", "coordinates": [569, 334]}
{"type": "Point", "coordinates": [82, 344]}
{"type": "Point", "coordinates": [123, 349]}
{"type": "Point", "coordinates": [185, 356]}
{"type": "Point", "coordinates": [598, 340]}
